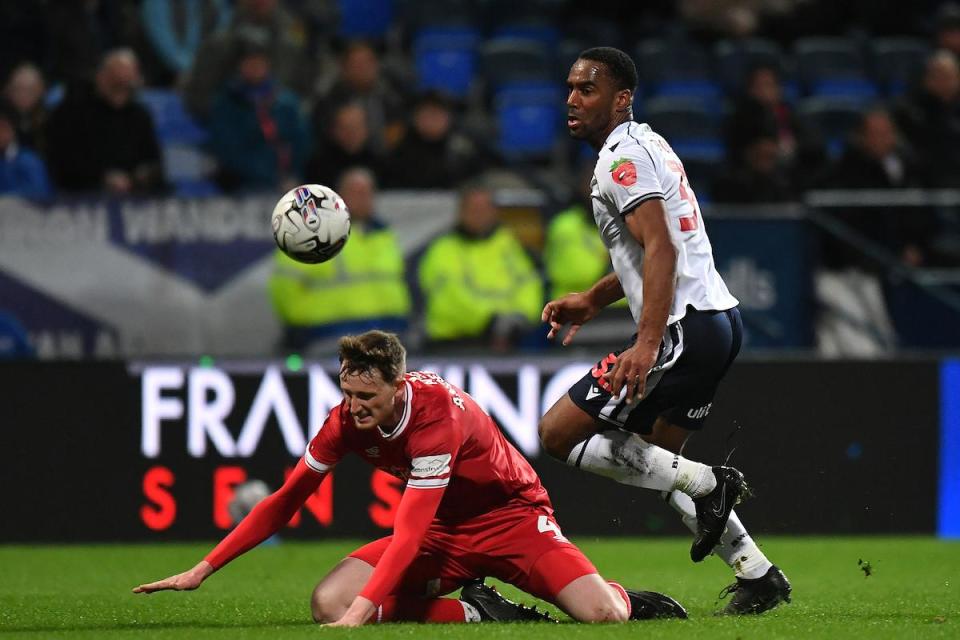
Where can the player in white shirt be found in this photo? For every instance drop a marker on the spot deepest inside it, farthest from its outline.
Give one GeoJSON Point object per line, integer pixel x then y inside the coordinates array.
{"type": "Point", "coordinates": [629, 417]}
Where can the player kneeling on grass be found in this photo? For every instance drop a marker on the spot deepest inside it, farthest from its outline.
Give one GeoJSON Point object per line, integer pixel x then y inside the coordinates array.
{"type": "Point", "coordinates": [467, 488]}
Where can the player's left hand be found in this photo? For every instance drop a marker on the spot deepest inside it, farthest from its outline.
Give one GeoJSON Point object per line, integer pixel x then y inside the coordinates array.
{"type": "Point", "coordinates": [631, 370]}
{"type": "Point", "coordinates": [186, 581]}
{"type": "Point", "coordinates": [356, 614]}
{"type": "Point", "coordinates": [344, 622]}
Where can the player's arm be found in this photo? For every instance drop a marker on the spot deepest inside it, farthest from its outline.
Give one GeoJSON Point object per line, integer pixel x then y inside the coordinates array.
{"type": "Point", "coordinates": [416, 511]}
{"type": "Point", "coordinates": [647, 223]}
{"type": "Point", "coordinates": [577, 309]}
{"type": "Point", "coordinates": [268, 517]}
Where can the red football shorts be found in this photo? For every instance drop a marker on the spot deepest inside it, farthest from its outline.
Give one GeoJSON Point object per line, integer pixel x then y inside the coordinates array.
{"type": "Point", "coordinates": [520, 545]}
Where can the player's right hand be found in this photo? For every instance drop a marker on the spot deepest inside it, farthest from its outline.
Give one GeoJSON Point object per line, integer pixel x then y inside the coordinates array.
{"type": "Point", "coordinates": [575, 309]}
{"type": "Point", "coordinates": [186, 581]}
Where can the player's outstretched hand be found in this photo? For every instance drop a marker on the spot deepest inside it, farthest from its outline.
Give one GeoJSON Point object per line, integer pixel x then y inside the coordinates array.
{"type": "Point", "coordinates": [186, 581]}
{"type": "Point", "coordinates": [575, 309]}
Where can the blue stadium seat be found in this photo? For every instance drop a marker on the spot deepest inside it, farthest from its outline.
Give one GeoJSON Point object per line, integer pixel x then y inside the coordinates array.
{"type": "Point", "coordinates": [661, 60]}
{"type": "Point", "coordinates": [528, 119]}
{"type": "Point", "coordinates": [507, 60]}
{"type": "Point", "coordinates": [544, 33]}
{"type": "Point", "coordinates": [736, 58]}
{"type": "Point", "coordinates": [365, 18]}
{"type": "Point", "coordinates": [708, 92]}
{"type": "Point", "coordinates": [820, 58]}
{"type": "Point", "coordinates": [852, 88]}
{"type": "Point", "coordinates": [678, 118]}
{"type": "Point", "coordinates": [189, 170]}
{"type": "Point", "coordinates": [834, 118]}
{"type": "Point", "coordinates": [693, 130]}
{"type": "Point", "coordinates": [446, 59]}
{"type": "Point", "coordinates": [897, 62]}
{"type": "Point", "coordinates": [170, 119]}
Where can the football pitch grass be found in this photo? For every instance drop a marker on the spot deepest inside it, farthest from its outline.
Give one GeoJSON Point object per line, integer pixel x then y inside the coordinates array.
{"type": "Point", "coordinates": [913, 591]}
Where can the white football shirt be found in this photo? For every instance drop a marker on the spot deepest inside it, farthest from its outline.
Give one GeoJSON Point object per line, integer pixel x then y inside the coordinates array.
{"type": "Point", "coordinates": [635, 165]}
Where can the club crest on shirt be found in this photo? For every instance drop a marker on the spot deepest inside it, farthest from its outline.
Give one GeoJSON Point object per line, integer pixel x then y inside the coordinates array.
{"type": "Point", "coordinates": [623, 172]}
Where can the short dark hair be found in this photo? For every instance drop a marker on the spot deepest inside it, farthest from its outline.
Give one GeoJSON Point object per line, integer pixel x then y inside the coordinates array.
{"type": "Point", "coordinates": [373, 351]}
{"type": "Point", "coordinates": [619, 65]}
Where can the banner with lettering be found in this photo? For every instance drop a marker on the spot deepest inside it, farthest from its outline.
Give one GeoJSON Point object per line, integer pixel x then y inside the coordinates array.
{"type": "Point", "coordinates": [155, 450]}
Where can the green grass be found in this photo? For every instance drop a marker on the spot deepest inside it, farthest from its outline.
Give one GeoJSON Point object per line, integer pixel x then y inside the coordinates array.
{"type": "Point", "coordinates": [84, 592]}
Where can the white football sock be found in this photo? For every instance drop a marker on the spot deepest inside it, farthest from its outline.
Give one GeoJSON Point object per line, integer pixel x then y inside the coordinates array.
{"type": "Point", "coordinates": [470, 613]}
{"type": "Point", "coordinates": [629, 459]}
{"type": "Point", "coordinates": [736, 547]}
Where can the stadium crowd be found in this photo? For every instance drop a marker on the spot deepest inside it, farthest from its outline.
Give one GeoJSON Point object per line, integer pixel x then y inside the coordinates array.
{"type": "Point", "coordinates": [762, 101]}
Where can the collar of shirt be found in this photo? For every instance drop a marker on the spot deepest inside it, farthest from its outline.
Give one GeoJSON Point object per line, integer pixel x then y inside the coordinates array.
{"type": "Point", "coordinates": [11, 151]}
{"type": "Point", "coordinates": [618, 134]}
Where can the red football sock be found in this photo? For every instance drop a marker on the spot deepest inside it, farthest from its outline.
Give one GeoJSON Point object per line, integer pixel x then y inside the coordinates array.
{"type": "Point", "coordinates": [412, 609]}
{"type": "Point", "coordinates": [623, 594]}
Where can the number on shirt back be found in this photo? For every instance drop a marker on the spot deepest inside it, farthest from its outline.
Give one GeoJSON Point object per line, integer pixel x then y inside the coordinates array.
{"type": "Point", "coordinates": [687, 223]}
{"type": "Point", "coordinates": [546, 525]}
{"type": "Point", "coordinates": [427, 377]}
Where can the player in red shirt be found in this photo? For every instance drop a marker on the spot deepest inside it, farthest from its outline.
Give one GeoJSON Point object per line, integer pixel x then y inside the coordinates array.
{"type": "Point", "coordinates": [473, 507]}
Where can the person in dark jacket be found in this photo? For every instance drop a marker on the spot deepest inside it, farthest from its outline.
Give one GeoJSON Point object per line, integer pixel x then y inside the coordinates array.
{"type": "Point", "coordinates": [432, 154]}
{"type": "Point", "coordinates": [257, 133]}
{"type": "Point", "coordinates": [930, 119]}
{"type": "Point", "coordinates": [345, 143]}
{"type": "Point", "coordinates": [101, 139]}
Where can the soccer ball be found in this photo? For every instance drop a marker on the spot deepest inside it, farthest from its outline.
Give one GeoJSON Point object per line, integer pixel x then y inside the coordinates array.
{"type": "Point", "coordinates": [246, 496]}
{"type": "Point", "coordinates": [311, 223]}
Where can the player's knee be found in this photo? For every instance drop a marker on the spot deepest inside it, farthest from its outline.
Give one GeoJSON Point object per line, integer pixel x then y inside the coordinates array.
{"type": "Point", "coordinates": [326, 605]}
{"type": "Point", "coordinates": [605, 612]}
{"type": "Point", "coordinates": [552, 439]}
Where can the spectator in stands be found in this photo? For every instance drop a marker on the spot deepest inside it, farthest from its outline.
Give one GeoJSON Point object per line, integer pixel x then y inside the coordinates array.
{"type": "Point", "coordinates": [25, 91]}
{"type": "Point", "coordinates": [947, 36]}
{"type": "Point", "coordinates": [876, 158]}
{"type": "Point", "coordinates": [23, 34]}
{"type": "Point", "coordinates": [574, 255]}
{"type": "Point", "coordinates": [479, 286]}
{"type": "Point", "coordinates": [257, 132]}
{"type": "Point", "coordinates": [22, 172]}
{"type": "Point", "coordinates": [758, 175]}
{"type": "Point", "coordinates": [761, 109]}
{"type": "Point", "coordinates": [361, 79]}
{"type": "Point", "coordinates": [853, 319]}
{"type": "Point", "coordinates": [362, 288]}
{"type": "Point", "coordinates": [101, 138]}
{"type": "Point", "coordinates": [930, 119]}
{"type": "Point", "coordinates": [173, 31]}
{"type": "Point", "coordinates": [432, 154]}
{"type": "Point", "coordinates": [262, 20]}
{"type": "Point", "coordinates": [344, 142]}
{"type": "Point", "coordinates": [80, 32]}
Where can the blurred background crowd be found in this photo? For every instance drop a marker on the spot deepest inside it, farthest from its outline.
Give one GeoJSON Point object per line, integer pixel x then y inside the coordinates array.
{"type": "Point", "coordinates": [765, 101]}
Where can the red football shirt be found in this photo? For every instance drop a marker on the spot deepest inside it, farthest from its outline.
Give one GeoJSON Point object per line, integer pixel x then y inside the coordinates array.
{"type": "Point", "coordinates": [444, 439]}
{"type": "Point", "coordinates": [455, 460]}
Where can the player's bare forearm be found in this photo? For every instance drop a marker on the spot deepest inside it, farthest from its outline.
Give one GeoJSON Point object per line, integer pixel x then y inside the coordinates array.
{"type": "Point", "coordinates": [659, 275]}
{"type": "Point", "coordinates": [576, 309]}
{"type": "Point", "coordinates": [648, 225]}
{"type": "Point", "coordinates": [606, 291]}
